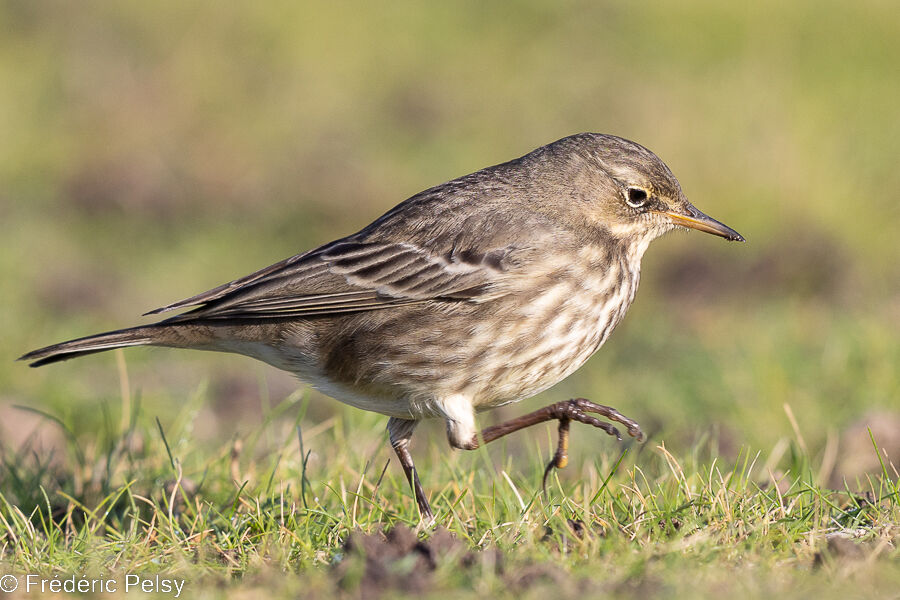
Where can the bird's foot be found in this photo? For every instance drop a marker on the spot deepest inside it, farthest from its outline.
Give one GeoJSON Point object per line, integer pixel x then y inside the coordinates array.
{"type": "Point", "coordinates": [580, 409]}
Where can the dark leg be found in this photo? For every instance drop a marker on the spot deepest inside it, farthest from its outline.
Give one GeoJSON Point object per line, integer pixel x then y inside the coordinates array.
{"type": "Point", "coordinates": [400, 431]}
{"type": "Point", "coordinates": [578, 410]}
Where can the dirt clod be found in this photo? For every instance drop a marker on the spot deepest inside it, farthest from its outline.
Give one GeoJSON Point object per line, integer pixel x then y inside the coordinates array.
{"type": "Point", "coordinates": [842, 548]}
{"type": "Point", "coordinates": [397, 560]}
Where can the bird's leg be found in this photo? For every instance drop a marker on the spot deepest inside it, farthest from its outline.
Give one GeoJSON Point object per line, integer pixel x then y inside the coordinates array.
{"type": "Point", "coordinates": [400, 431]}
{"type": "Point", "coordinates": [577, 409]}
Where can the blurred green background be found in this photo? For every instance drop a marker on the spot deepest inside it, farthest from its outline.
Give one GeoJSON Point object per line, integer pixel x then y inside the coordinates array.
{"type": "Point", "coordinates": [154, 150]}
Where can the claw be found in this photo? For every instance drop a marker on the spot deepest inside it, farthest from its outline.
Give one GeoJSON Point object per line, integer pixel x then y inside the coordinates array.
{"type": "Point", "coordinates": [561, 457]}
{"type": "Point", "coordinates": [547, 470]}
{"type": "Point", "coordinates": [634, 430]}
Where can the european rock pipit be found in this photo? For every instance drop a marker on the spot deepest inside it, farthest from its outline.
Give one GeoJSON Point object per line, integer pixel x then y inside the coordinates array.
{"type": "Point", "coordinates": [472, 294]}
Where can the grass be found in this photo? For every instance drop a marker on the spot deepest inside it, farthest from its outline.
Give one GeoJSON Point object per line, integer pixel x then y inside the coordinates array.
{"type": "Point", "coordinates": [285, 497]}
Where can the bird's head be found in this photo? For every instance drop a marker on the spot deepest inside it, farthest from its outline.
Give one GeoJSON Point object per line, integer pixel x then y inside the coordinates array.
{"type": "Point", "coordinates": [628, 191]}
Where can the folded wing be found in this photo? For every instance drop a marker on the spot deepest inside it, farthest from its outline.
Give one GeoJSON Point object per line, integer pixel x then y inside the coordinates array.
{"type": "Point", "coordinates": [350, 276]}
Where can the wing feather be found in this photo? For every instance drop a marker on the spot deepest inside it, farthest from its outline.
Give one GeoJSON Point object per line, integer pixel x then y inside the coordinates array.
{"type": "Point", "coordinates": [348, 277]}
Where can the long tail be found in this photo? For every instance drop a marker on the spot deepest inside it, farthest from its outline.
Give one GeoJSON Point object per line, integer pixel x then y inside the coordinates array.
{"type": "Point", "coordinates": [122, 338]}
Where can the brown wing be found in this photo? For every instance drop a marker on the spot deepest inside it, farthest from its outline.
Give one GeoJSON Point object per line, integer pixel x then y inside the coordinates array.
{"type": "Point", "coordinates": [348, 277]}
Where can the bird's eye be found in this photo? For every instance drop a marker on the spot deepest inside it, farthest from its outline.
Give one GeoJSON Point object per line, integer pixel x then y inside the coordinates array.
{"type": "Point", "coordinates": [635, 197]}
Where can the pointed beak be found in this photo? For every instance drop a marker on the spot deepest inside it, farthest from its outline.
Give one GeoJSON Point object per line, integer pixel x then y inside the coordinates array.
{"type": "Point", "coordinates": [695, 219]}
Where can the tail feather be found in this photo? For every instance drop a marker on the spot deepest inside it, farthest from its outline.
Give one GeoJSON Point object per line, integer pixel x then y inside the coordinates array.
{"type": "Point", "coordinates": [122, 338]}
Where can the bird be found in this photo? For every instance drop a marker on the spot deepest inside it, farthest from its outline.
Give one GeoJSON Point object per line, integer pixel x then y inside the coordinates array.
{"type": "Point", "coordinates": [479, 292]}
